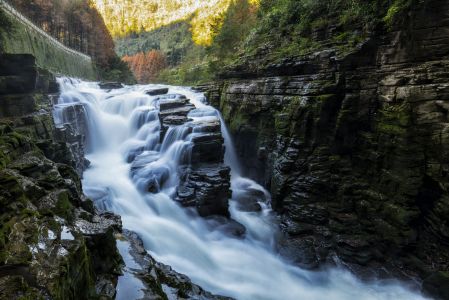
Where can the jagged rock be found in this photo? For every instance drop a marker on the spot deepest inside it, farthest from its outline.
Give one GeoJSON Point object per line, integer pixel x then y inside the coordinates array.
{"type": "Point", "coordinates": [179, 111]}
{"type": "Point", "coordinates": [156, 92]}
{"type": "Point", "coordinates": [176, 120]}
{"type": "Point", "coordinates": [207, 188]}
{"type": "Point", "coordinates": [18, 74]}
{"type": "Point", "coordinates": [110, 85]}
{"type": "Point", "coordinates": [44, 254]}
{"type": "Point", "coordinates": [159, 281]}
{"type": "Point", "coordinates": [437, 284]}
{"type": "Point", "coordinates": [52, 230]}
{"type": "Point", "coordinates": [173, 111]}
{"type": "Point", "coordinates": [72, 129]}
{"type": "Point", "coordinates": [207, 148]}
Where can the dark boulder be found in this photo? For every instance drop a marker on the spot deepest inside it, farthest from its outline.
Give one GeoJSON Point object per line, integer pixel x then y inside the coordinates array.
{"type": "Point", "coordinates": [156, 92]}
{"type": "Point", "coordinates": [207, 188]}
{"type": "Point", "coordinates": [437, 284]}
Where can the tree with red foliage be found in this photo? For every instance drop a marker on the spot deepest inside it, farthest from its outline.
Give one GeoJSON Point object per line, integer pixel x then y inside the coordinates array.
{"type": "Point", "coordinates": [146, 66]}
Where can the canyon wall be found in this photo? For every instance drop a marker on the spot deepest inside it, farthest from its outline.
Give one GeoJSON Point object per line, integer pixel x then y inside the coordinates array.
{"type": "Point", "coordinates": [53, 243]}
{"type": "Point", "coordinates": [354, 149]}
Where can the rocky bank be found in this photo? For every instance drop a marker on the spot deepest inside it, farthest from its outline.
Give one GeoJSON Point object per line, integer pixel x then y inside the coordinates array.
{"type": "Point", "coordinates": [54, 242]}
{"type": "Point", "coordinates": [354, 148]}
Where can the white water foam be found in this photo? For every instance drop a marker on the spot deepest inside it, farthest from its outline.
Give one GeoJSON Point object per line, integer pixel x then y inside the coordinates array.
{"type": "Point", "coordinates": [246, 268]}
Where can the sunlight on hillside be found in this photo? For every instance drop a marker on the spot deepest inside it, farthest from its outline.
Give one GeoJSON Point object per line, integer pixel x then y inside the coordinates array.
{"type": "Point", "coordinates": [123, 17]}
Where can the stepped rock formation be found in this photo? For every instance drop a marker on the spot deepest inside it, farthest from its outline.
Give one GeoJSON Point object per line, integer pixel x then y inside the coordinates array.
{"type": "Point", "coordinates": [354, 148]}
{"type": "Point", "coordinates": [204, 179]}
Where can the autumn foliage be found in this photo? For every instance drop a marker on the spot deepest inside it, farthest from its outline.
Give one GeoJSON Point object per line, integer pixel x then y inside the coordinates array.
{"type": "Point", "coordinates": [146, 66]}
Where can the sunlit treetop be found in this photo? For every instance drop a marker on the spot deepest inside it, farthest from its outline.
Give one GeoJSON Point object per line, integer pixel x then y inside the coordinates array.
{"type": "Point", "coordinates": [123, 17]}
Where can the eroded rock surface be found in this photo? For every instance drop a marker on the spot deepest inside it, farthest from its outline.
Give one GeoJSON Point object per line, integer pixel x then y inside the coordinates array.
{"type": "Point", "coordinates": [53, 243]}
{"type": "Point", "coordinates": [354, 148]}
{"type": "Point", "coordinates": [156, 280]}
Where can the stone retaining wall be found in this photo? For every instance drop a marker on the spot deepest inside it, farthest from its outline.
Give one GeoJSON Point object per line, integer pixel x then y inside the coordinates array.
{"type": "Point", "coordinates": [27, 38]}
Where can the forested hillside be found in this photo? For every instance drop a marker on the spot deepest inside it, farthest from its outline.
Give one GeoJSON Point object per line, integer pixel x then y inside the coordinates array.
{"type": "Point", "coordinates": [239, 31]}
{"type": "Point", "coordinates": [78, 25]}
{"type": "Point", "coordinates": [127, 17]}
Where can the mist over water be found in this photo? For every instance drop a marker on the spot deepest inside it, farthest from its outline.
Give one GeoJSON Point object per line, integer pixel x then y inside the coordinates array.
{"type": "Point", "coordinates": [122, 121]}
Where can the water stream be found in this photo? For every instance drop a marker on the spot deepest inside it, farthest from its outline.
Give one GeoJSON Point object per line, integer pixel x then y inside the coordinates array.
{"type": "Point", "coordinates": [123, 120]}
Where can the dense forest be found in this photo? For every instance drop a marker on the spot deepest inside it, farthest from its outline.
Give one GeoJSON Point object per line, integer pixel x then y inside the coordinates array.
{"type": "Point", "coordinates": [239, 31]}
{"type": "Point", "coordinates": [78, 25]}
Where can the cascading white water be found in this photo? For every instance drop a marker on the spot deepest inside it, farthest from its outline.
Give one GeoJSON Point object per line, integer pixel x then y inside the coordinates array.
{"type": "Point", "coordinates": [125, 120]}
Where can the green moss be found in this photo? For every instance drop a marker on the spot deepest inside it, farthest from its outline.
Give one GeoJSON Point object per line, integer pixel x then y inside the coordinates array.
{"type": "Point", "coordinates": [22, 39]}
{"type": "Point", "coordinates": [155, 286]}
{"type": "Point", "coordinates": [63, 207]}
{"type": "Point", "coordinates": [287, 120]}
{"type": "Point", "coordinates": [396, 9]}
{"type": "Point", "coordinates": [237, 121]}
{"type": "Point", "coordinates": [77, 278]}
{"type": "Point", "coordinates": [395, 120]}
{"type": "Point", "coordinates": [398, 215]}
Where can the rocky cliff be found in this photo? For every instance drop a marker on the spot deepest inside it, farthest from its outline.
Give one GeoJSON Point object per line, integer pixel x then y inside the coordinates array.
{"type": "Point", "coordinates": [53, 243]}
{"type": "Point", "coordinates": [354, 148]}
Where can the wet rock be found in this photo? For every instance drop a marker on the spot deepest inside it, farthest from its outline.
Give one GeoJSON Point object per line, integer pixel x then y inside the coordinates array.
{"type": "Point", "coordinates": [248, 200]}
{"type": "Point", "coordinates": [207, 188]}
{"type": "Point", "coordinates": [353, 147]}
{"type": "Point", "coordinates": [179, 111]}
{"type": "Point", "coordinates": [207, 148]}
{"type": "Point", "coordinates": [72, 129]}
{"type": "Point", "coordinates": [437, 285]}
{"type": "Point", "coordinates": [110, 85]}
{"type": "Point", "coordinates": [156, 92]}
{"type": "Point", "coordinates": [208, 143]}
{"type": "Point", "coordinates": [227, 226]}
{"type": "Point", "coordinates": [176, 120]}
{"type": "Point", "coordinates": [49, 229]}
{"type": "Point", "coordinates": [172, 97]}
{"type": "Point", "coordinates": [159, 281]}
{"type": "Point", "coordinates": [43, 252]}
{"type": "Point", "coordinates": [173, 112]}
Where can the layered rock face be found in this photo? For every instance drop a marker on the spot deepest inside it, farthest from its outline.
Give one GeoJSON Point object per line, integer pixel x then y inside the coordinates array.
{"type": "Point", "coordinates": [354, 148]}
{"type": "Point", "coordinates": [53, 244]}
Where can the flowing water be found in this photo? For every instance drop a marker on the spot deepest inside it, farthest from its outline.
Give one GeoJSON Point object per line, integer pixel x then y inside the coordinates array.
{"type": "Point", "coordinates": [122, 121]}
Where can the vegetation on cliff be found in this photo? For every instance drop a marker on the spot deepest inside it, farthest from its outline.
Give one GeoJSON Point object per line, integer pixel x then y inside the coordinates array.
{"type": "Point", "coordinates": [78, 25]}
{"type": "Point", "coordinates": [258, 33]}
{"type": "Point", "coordinates": [5, 26]}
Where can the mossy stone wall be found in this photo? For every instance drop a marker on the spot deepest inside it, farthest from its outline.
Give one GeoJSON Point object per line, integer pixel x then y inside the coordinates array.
{"type": "Point", "coordinates": [25, 38]}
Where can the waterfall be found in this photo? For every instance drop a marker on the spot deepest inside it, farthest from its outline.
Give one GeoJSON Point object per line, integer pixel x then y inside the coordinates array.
{"type": "Point", "coordinates": [122, 127]}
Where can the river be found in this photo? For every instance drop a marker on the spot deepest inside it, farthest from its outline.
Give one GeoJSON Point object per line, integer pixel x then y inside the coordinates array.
{"type": "Point", "coordinates": [123, 120]}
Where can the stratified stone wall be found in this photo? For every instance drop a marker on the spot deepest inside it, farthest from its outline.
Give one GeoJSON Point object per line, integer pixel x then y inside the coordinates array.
{"type": "Point", "coordinates": [355, 149]}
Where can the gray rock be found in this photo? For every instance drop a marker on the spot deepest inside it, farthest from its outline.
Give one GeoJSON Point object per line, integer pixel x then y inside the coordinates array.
{"type": "Point", "coordinates": [156, 92]}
